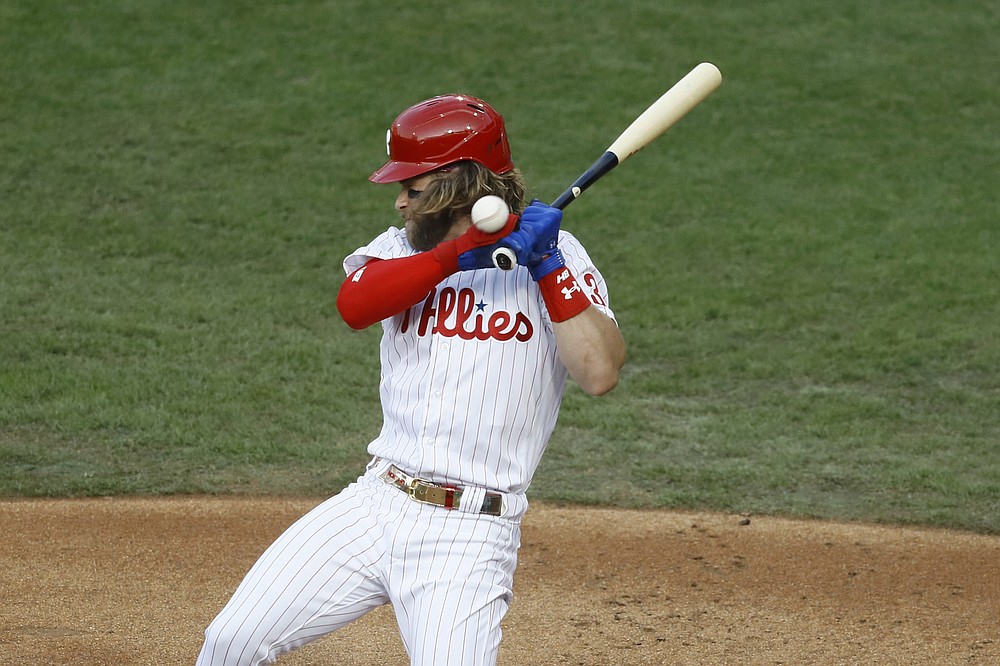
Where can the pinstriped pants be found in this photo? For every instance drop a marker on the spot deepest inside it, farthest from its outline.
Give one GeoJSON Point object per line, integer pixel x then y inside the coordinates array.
{"type": "Point", "coordinates": [448, 574]}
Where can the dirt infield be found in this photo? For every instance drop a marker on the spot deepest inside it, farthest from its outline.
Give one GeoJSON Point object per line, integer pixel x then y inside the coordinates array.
{"type": "Point", "coordinates": [135, 581]}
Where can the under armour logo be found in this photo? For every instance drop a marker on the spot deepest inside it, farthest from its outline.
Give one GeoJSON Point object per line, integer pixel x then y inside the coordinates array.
{"type": "Point", "coordinates": [568, 291]}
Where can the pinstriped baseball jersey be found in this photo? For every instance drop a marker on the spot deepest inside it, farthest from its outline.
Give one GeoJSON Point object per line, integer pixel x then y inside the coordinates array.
{"type": "Point", "coordinates": [471, 378]}
{"type": "Point", "coordinates": [471, 386]}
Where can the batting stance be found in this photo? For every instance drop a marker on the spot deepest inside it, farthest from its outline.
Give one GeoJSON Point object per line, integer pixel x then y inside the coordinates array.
{"type": "Point", "coordinates": [474, 363]}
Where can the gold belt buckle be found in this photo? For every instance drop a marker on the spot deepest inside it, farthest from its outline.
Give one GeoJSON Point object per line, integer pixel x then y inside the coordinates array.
{"type": "Point", "coordinates": [432, 493]}
{"type": "Point", "coordinates": [418, 490]}
{"type": "Point", "coordinates": [424, 491]}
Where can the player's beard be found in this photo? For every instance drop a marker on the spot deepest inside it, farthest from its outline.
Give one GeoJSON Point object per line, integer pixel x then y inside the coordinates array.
{"type": "Point", "coordinates": [425, 231]}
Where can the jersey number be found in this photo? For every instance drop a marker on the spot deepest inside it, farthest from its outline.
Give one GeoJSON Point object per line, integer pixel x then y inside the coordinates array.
{"type": "Point", "coordinates": [595, 294]}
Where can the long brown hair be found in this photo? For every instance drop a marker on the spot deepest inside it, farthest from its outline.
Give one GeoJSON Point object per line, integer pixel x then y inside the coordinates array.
{"type": "Point", "coordinates": [457, 187]}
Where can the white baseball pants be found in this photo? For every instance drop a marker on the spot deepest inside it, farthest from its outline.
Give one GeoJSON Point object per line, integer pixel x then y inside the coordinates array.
{"type": "Point", "coordinates": [448, 574]}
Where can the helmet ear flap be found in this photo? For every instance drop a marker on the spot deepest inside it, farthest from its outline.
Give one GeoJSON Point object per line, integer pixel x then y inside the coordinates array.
{"type": "Point", "coordinates": [441, 131]}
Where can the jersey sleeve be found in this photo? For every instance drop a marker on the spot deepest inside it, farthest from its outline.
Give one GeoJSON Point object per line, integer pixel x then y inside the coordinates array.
{"type": "Point", "coordinates": [390, 244]}
{"type": "Point", "coordinates": [586, 273]}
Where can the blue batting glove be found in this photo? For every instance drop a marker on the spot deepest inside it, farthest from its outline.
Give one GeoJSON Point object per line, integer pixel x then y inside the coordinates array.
{"type": "Point", "coordinates": [550, 263]}
{"type": "Point", "coordinates": [480, 257]}
{"type": "Point", "coordinates": [541, 223]}
{"type": "Point", "coordinates": [534, 242]}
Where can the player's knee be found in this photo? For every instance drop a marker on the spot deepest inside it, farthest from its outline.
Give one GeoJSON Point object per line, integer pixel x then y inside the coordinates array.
{"type": "Point", "coordinates": [228, 644]}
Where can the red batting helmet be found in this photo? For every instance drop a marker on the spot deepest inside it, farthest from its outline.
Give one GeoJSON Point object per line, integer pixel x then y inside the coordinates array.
{"type": "Point", "coordinates": [443, 130]}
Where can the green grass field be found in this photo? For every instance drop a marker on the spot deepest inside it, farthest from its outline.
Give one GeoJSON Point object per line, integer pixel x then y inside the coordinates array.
{"type": "Point", "coordinates": [805, 269]}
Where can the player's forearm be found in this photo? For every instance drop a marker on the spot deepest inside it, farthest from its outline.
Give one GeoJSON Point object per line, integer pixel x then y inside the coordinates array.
{"type": "Point", "coordinates": [592, 349]}
{"type": "Point", "coordinates": [383, 288]}
{"type": "Point", "coordinates": [589, 342]}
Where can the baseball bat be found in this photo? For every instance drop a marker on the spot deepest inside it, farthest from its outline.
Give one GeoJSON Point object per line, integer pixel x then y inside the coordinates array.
{"type": "Point", "coordinates": [661, 115]}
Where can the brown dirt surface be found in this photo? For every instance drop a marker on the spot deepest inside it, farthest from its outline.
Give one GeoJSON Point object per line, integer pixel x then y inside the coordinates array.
{"type": "Point", "coordinates": [135, 581]}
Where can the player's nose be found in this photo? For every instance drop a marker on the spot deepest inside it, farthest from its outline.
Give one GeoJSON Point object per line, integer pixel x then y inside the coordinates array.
{"type": "Point", "coordinates": [402, 199]}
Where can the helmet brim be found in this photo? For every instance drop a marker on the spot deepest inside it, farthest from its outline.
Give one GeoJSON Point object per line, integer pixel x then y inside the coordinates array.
{"type": "Point", "coordinates": [394, 172]}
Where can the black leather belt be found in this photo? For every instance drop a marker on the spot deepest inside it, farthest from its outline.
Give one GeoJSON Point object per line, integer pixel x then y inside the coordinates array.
{"type": "Point", "coordinates": [449, 497]}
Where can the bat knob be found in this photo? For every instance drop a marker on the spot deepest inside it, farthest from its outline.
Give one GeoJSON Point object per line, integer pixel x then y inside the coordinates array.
{"type": "Point", "coordinates": [504, 258]}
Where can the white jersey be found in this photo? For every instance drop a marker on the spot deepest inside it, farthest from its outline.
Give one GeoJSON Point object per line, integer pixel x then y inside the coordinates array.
{"type": "Point", "coordinates": [471, 379]}
{"type": "Point", "coordinates": [471, 386]}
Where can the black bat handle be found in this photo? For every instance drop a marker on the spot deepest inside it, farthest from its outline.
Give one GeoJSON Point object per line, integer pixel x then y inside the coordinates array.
{"type": "Point", "coordinates": [597, 170]}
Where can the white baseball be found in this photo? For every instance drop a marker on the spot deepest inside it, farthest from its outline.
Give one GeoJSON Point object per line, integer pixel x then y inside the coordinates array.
{"type": "Point", "coordinates": [490, 214]}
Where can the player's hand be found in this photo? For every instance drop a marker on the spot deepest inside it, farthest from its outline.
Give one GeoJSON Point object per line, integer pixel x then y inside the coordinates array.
{"type": "Point", "coordinates": [536, 239]}
{"type": "Point", "coordinates": [480, 257]}
{"type": "Point", "coordinates": [482, 245]}
{"type": "Point", "coordinates": [467, 252]}
{"type": "Point", "coordinates": [475, 237]}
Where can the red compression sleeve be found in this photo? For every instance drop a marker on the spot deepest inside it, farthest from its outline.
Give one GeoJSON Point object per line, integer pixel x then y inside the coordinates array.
{"type": "Point", "coordinates": [383, 288]}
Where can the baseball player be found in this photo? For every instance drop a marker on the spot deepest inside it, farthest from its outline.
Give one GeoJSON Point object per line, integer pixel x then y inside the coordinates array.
{"type": "Point", "coordinates": [474, 362]}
